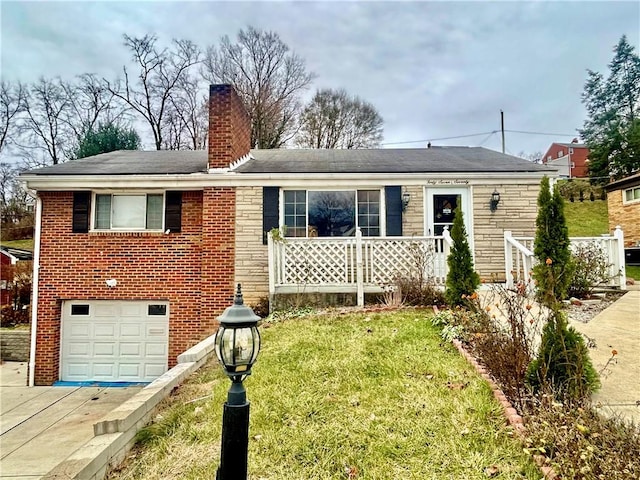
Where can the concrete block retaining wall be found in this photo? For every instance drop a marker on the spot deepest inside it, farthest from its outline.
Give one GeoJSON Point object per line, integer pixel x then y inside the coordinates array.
{"type": "Point", "coordinates": [14, 345]}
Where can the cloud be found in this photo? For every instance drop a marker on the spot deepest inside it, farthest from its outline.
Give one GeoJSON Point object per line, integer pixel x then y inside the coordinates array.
{"type": "Point", "coordinates": [433, 69]}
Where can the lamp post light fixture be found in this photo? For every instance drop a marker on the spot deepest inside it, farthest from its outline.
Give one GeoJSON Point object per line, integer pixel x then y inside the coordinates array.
{"type": "Point", "coordinates": [237, 343]}
{"type": "Point", "coordinates": [495, 200]}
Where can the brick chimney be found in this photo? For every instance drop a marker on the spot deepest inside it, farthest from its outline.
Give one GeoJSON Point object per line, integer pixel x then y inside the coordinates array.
{"type": "Point", "coordinates": [229, 127]}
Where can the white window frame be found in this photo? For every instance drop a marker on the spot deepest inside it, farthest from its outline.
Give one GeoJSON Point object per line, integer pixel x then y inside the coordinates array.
{"type": "Point", "coordinates": [560, 153]}
{"type": "Point", "coordinates": [146, 193]}
{"type": "Point", "coordinates": [382, 211]}
{"type": "Point", "coordinates": [632, 190]}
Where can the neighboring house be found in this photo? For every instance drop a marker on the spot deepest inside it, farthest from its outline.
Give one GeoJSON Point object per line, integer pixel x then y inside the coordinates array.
{"type": "Point", "coordinates": [623, 201]}
{"type": "Point", "coordinates": [571, 159]}
{"type": "Point", "coordinates": [139, 251]}
{"type": "Point", "coordinates": [9, 258]}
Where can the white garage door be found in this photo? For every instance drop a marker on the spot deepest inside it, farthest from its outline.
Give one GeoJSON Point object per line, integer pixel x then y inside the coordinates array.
{"type": "Point", "coordinates": [114, 341]}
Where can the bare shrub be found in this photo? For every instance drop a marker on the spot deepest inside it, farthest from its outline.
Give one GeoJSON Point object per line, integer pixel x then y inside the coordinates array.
{"type": "Point", "coordinates": [590, 269]}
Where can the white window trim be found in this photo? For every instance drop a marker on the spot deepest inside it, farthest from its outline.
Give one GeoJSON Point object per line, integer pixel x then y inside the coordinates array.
{"type": "Point", "coordinates": [382, 214]}
{"type": "Point", "coordinates": [125, 192]}
{"type": "Point", "coordinates": [624, 196]}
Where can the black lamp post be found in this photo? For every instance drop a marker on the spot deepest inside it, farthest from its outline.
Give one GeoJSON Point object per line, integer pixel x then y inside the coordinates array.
{"type": "Point", "coordinates": [237, 345]}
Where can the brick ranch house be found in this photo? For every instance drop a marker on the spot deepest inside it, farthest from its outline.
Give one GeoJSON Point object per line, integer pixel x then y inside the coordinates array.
{"type": "Point", "coordinates": [137, 252]}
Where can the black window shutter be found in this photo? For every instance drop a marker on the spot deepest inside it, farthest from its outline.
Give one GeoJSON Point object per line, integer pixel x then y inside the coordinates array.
{"type": "Point", "coordinates": [81, 210]}
{"type": "Point", "coordinates": [173, 211]}
{"type": "Point", "coordinates": [270, 214]}
{"type": "Point", "coordinates": [393, 195]}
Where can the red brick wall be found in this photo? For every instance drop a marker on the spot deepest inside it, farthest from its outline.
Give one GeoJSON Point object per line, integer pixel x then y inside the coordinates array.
{"type": "Point", "coordinates": [229, 127]}
{"type": "Point", "coordinates": [578, 157]}
{"type": "Point", "coordinates": [147, 266]}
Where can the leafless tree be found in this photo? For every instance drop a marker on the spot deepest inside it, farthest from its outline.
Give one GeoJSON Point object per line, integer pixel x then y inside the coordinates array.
{"type": "Point", "coordinates": [535, 157]}
{"type": "Point", "coordinates": [91, 102]}
{"type": "Point", "coordinates": [159, 73]}
{"type": "Point", "coordinates": [45, 131]}
{"type": "Point", "coordinates": [187, 124]}
{"type": "Point", "coordinates": [12, 103]}
{"type": "Point", "coordinates": [334, 119]}
{"type": "Point", "coordinates": [267, 76]}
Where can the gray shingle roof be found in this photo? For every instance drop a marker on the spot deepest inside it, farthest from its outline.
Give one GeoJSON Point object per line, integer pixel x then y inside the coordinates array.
{"type": "Point", "coordinates": [401, 160]}
{"type": "Point", "coordinates": [132, 162]}
{"type": "Point", "coordinates": [422, 160]}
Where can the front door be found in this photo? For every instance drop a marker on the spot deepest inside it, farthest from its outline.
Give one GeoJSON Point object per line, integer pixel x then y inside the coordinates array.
{"type": "Point", "coordinates": [444, 206]}
{"type": "Point", "coordinates": [441, 204]}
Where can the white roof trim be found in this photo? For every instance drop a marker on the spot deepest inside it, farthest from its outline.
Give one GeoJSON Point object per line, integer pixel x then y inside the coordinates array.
{"type": "Point", "coordinates": [198, 181]}
{"type": "Point", "coordinates": [241, 161]}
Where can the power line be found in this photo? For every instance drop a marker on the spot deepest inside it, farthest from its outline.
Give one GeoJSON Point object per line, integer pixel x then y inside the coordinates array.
{"type": "Point", "coordinates": [480, 134]}
{"type": "Point", "coordinates": [437, 139]}
{"type": "Point", "coordinates": [543, 133]}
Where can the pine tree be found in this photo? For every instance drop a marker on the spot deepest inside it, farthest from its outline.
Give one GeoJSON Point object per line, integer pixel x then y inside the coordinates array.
{"type": "Point", "coordinates": [551, 246]}
{"type": "Point", "coordinates": [462, 279]}
{"type": "Point", "coordinates": [612, 129]}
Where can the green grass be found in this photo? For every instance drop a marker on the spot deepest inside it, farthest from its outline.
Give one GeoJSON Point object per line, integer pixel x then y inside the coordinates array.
{"type": "Point", "coordinates": [22, 244]}
{"type": "Point", "coordinates": [586, 219]}
{"type": "Point", "coordinates": [633, 272]}
{"type": "Point", "coordinates": [373, 395]}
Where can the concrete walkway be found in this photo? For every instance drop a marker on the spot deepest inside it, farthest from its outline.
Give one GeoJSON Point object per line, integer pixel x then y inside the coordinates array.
{"type": "Point", "coordinates": [41, 426]}
{"type": "Point", "coordinates": [617, 328]}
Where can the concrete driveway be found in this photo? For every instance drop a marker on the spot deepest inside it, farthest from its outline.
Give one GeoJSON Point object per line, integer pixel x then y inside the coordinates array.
{"type": "Point", "coordinates": [41, 426]}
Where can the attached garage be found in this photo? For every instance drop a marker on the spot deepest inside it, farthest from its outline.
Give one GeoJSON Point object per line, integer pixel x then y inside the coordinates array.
{"type": "Point", "coordinates": [114, 341]}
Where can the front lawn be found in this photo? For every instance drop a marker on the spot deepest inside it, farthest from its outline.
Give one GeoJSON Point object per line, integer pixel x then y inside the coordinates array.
{"type": "Point", "coordinates": [350, 396]}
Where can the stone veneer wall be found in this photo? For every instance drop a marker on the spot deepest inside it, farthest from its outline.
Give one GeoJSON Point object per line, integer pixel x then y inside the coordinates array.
{"type": "Point", "coordinates": [251, 255]}
{"type": "Point", "coordinates": [413, 217]}
{"type": "Point", "coordinates": [516, 212]}
{"type": "Point", "coordinates": [627, 216]}
{"type": "Point", "coordinates": [14, 345]}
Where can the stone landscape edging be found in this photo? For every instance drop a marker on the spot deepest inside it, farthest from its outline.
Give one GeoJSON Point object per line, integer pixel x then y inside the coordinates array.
{"type": "Point", "coordinates": [513, 417]}
{"type": "Point", "coordinates": [115, 433]}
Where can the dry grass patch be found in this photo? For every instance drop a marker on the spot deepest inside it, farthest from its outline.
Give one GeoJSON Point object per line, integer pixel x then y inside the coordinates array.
{"type": "Point", "coordinates": [361, 396]}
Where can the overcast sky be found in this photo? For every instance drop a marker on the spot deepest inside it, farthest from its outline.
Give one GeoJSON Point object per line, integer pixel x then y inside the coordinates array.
{"type": "Point", "coordinates": [432, 69]}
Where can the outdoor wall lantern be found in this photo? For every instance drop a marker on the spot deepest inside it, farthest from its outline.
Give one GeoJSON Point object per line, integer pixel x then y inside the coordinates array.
{"type": "Point", "coordinates": [495, 200]}
{"type": "Point", "coordinates": [406, 197]}
{"type": "Point", "coordinates": [237, 343]}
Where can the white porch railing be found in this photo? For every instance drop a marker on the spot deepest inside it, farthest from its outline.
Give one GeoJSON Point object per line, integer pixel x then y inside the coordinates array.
{"type": "Point", "coordinates": [353, 264]}
{"type": "Point", "coordinates": [519, 258]}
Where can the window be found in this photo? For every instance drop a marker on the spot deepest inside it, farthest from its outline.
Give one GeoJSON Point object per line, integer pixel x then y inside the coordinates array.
{"type": "Point", "coordinates": [632, 195]}
{"type": "Point", "coordinates": [129, 211]}
{"type": "Point", "coordinates": [157, 309]}
{"type": "Point", "coordinates": [80, 309]}
{"type": "Point", "coordinates": [560, 153]}
{"type": "Point", "coordinates": [325, 213]}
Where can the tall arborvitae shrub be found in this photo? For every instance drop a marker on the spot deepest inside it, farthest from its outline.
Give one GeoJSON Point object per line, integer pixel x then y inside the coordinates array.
{"type": "Point", "coordinates": [551, 247]}
{"type": "Point", "coordinates": [462, 279]}
{"type": "Point", "coordinates": [563, 366]}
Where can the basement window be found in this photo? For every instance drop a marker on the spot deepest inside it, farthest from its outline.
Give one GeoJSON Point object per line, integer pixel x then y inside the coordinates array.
{"type": "Point", "coordinates": [125, 211]}
{"type": "Point", "coordinates": [632, 195]}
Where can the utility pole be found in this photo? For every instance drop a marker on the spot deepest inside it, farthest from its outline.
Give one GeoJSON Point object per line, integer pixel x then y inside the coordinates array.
{"type": "Point", "coordinates": [502, 128]}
